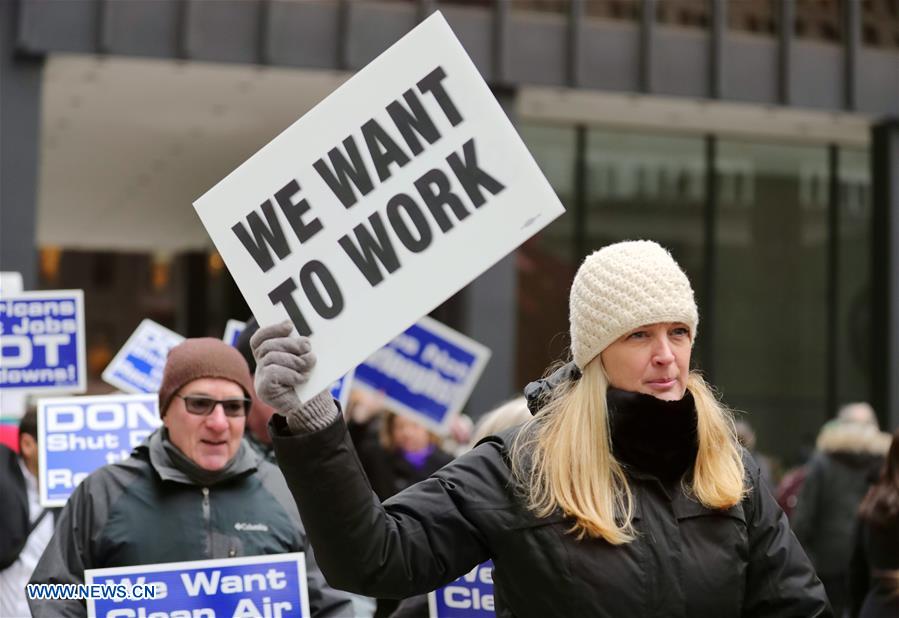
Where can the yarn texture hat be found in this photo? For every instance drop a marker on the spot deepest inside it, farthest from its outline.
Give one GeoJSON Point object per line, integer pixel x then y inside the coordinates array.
{"type": "Point", "coordinates": [203, 357]}
{"type": "Point", "coordinates": [621, 287]}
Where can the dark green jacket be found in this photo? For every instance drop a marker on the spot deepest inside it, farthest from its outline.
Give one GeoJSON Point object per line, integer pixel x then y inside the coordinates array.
{"type": "Point", "coordinates": [147, 510]}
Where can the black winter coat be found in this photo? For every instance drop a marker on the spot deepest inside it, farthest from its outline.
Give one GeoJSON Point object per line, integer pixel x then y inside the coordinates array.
{"type": "Point", "coordinates": [687, 560]}
{"type": "Point", "coordinates": [873, 594]}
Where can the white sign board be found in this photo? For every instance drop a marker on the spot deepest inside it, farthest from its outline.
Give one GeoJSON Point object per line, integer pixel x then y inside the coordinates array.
{"type": "Point", "coordinates": [137, 368]}
{"type": "Point", "coordinates": [11, 283]}
{"type": "Point", "coordinates": [385, 199]}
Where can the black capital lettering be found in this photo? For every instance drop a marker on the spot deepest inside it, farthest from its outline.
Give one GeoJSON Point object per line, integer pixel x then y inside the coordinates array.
{"type": "Point", "coordinates": [294, 212]}
{"type": "Point", "coordinates": [315, 278]}
{"type": "Point", "coordinates": [432, 83]}
{"type": "Point", "coordinates": [283, 295]}
{"type": "Point", "coordinates": [265, 238]}
{"type": "Point", "coordinates": [402, 203]}
{"type": "Point", "coordinates": [345, 175]}
{"type": "Point", "coordinates": [383, 150]}
{"type": "Point", "coordinates": [472, 177]}
{"type": "Point", "coordinates": [371, 252]}
{"type": "Point", "coordinates": [434, 188]}
{"type": "Point", "coordinates": [413, 121]}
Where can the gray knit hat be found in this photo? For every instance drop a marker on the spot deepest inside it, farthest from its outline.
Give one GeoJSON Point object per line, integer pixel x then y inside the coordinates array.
{"type": "Point", "coordinates": [621, 287]}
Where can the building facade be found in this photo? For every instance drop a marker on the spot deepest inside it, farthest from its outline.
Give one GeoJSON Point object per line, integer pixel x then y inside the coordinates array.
{"type": "Point", "coordinates": [758, 141]}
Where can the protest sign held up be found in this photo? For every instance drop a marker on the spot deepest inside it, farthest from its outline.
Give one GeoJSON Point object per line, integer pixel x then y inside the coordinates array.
{"type": "Point", "coordinates": [42, 341]}
{"type": "Point", "coordinates": [251, 587]}
{"type": "Point", "coordinates": [361, 217]}
{"type": "Point", "coordinates": [470, 596]}
{"type": "Point", "coordinates": [232, 331]}
{"type": "Point", "coordinates": [77, 435]}
{"type": "Point", "coordinates": [137, 368]}
{"type": "Point", "coordinates": [428, 372]}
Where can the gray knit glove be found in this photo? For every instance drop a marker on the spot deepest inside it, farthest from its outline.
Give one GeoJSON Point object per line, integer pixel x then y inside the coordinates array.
{"type": "Point", "coordinates": [284, 362]}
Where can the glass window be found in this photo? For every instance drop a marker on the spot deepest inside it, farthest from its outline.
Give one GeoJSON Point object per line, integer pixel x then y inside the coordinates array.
{"type": "Point", "coordinates": [648, 187]}
{"type": "Point", "coordinates": [546, 263]}
{"type": "Point", "coordinates": [770, 336]}
{"type": "Point", "coordinates": [854, 278]}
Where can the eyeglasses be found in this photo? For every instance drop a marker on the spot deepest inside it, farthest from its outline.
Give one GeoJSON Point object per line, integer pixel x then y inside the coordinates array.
{"type": "Point", "coordinates": [203, 406]}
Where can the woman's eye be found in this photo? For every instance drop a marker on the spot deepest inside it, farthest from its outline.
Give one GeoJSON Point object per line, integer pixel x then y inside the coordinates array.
{"type": "Point", "coordinates": [640, 334]}
{"type": "Point", "coordinates": [681, 332]}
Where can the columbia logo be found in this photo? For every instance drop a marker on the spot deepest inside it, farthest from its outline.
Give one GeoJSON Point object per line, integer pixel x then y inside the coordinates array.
{"type": "Point", "coordinates": [244, 527]}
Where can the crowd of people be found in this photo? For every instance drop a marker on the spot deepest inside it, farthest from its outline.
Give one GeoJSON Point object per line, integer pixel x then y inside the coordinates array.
{"type": "Point", "coordinates": [619, 485]}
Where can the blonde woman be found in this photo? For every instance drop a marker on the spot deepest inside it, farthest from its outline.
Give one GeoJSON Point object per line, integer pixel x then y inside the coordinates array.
{"type": "Point", "coordinates": [626, 495]}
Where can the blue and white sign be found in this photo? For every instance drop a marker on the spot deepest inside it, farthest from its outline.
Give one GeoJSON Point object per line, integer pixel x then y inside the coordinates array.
{"type": "Point", "coordinates": [340, 390]}
{"type": "Point", "coordinates": [427, 372]}
{"type": "Point", "coordinates": [252, 587]}
{"type": "Point", "coordinates": [232, 331]}
{"type": "Point", "coordinates": [77, 435]}
{"type": "Point", "coordinates": [42, 342]}
{"type": "Point", "coordinates": [137, 368]}
{"type": "Point", "coordinates": [470, 596]}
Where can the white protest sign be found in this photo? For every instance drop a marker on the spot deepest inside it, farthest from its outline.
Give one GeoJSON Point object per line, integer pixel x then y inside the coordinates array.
{"type": "Point", "coordinates": [77, 435]}
{"type": "Point", "coordinates": [137, 368]}
{"type": "Point", "coordinates": [11, 283]}
{"type": "Point", "coordinates": [385, 199]}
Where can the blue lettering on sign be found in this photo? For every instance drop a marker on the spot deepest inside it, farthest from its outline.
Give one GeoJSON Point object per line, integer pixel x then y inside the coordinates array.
{"type": "Point", "coordinates": [470, 596]}
{"type": "Point", "coordinates": [80, 434]}
{"type": "Point", "coordinates": [258, 587]}
{"type": "Point", "coordinates": [41, 342]}
{"type": "Point", "coordinates": [420, 369]}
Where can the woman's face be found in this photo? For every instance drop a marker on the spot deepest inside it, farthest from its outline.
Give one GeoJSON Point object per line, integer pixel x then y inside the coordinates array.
{"type": "Point", "coordinates": [653, 359]}
{"type": "Point", "coordinates": [410, 436]}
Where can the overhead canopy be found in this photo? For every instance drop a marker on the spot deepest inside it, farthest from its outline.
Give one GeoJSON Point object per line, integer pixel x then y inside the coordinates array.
{"type": "Point", "coordinates": [128, 144]}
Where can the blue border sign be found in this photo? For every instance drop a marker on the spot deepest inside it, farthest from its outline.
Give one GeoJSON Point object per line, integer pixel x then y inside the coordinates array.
{"type": "Point", "coordinates": [77, 435]}
{"type": "Point", "coordinates": [470, 596]}
{"type": "Point", "coordinates": [42, 341]}
{"type": "Point", "coordinates": [137, 368]}
{"type": "Point", "coordinates": [233, 329]}
{"type": "Point", "coordinates": [256, 586]}
{"type": "Point", "coordinates": [428, 372]}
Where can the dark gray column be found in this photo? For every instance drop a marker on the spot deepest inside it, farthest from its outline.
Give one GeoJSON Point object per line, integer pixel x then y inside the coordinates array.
{"type": "Point", "coordinates": [20, 116]}
{"type": "Point", "coordinates": [490, 316]}
{"type": "Point", "coordinates": [885, 245]}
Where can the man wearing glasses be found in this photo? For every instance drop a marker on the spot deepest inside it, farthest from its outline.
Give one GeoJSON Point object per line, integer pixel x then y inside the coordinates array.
{"type": "Point", "coordinates": [194, 490]}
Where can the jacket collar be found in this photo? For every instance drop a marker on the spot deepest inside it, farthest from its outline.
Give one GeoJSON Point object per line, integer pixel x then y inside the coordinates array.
{"type": "Point", "coordinates": [173, 465]}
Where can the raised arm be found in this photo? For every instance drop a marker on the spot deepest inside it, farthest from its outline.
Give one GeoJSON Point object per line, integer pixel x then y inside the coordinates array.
{"type": "Point", "coordinates": [418, 540]}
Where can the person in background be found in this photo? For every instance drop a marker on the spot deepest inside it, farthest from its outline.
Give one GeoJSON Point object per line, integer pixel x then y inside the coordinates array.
{"type": "Point", "coordinates": [194, 490]}
{"type": "Point", "coordinates": [626, 495]}
{"type": "Point", "coordinates": [874, 571]}
{"type": "Point", "coordinates": [848, 453]}
{"type": "Point", "coordinates": [25, 526]}
{"type": "Point", "coordinates": [746, 436]}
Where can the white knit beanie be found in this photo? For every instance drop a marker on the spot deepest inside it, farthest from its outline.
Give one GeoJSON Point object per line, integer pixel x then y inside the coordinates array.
{"type": "Point", "coordinates": [621, 287]}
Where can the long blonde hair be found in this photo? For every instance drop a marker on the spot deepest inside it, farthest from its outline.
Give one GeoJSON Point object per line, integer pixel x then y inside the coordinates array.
{"type": "Point", "coordinates": [563, 458]}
